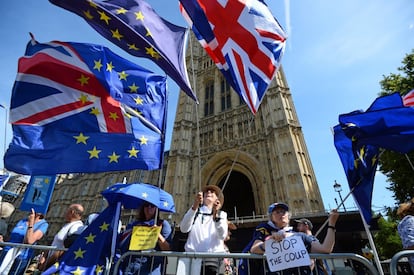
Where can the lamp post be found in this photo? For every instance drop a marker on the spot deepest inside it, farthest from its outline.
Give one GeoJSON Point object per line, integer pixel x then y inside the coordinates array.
{"type": "Point", "coordinates": [338, 188]}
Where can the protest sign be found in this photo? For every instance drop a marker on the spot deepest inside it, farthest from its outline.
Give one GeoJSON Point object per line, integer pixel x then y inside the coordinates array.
{"type": "Point", "coordinates": [38, 194]}
{"type": "Point", "coordinates": [288, 253]}
{"type": "Point", "coordinates": [144, 237]}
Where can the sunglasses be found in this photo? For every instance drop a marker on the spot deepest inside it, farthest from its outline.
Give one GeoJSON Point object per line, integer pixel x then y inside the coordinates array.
{"type": "Point", "coordinates": [149, 205]}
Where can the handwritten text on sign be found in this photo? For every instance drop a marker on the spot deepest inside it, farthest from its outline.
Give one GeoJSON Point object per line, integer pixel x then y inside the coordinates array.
{"type": "Point", "coordinates": [288, 253]}
{"type": "Point", "coordinates": [144, 237]}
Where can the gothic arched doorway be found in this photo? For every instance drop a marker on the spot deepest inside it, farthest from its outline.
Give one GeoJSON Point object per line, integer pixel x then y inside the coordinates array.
{"type": "Point", "coordinates": [238, 195]}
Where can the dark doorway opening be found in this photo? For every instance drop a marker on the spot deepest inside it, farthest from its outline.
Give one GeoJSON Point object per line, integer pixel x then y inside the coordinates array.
{"type": "Point", "coordinates": [238, 195]}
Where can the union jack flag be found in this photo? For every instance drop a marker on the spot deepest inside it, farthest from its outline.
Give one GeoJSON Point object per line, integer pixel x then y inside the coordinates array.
{"type": "Point", "coordinates": [81, 108]}
{"type": "Point", "coordinates": [244, 40]}
{"type": "Point", "coordinates": [408, 99]}
{"type": "Point", "coordinates": [135, 27]}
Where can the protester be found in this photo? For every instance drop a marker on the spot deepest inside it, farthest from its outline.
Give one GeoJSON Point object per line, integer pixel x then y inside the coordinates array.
{"type": "Point", "coordinates": [229, 264]}
{"type": "Point", "coordinates": [278, 228]}
{"type": "Point", "coordinates": [27, 231]}
{"type": "Point", "coordinates": [207, 228]}
{"type": "Point", "coordinates": [144, 264]}
{"type": "Point", "coordinates": [406, 227]}
{"type": "Point", "coordinates": [319, 266]}
{"type": "Point", "coordinates": [73, 218]}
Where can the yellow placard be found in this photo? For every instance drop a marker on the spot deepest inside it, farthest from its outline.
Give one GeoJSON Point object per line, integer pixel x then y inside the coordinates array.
{"type": "Point", "coordinates": [144, 237]}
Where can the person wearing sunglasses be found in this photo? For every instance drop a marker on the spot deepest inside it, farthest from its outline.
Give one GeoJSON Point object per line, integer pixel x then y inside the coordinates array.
{"type": "Point", "coordinates": [27, 231]}
{"type": "Point", "coordinates": [147, 216]}
{"type": "Point", "coordinates": [278, 228]}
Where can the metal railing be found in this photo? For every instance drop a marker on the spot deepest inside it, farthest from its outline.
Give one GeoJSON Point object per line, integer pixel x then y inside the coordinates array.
{"type": "Point", "coordinates": [396, 258]}
{"type": "Point", "coordinates": [172, 258]}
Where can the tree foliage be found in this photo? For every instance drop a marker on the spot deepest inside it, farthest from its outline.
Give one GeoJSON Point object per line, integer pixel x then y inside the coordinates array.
{"type": "Point", "coordinates": [399, 168]}
{"type": "Point", "coordinates": [387, 240]}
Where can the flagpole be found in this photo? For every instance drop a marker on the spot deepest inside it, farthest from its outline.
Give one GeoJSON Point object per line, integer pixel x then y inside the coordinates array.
{"type": "Point", "coordinates": [371, 242]}
{"type": "Point", "coordinates": [114, 237]}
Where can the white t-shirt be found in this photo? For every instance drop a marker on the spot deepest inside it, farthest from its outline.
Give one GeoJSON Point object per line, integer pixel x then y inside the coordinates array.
{"type": "Point", "coordinates": [66, 230]}
{"type": "Point", "coordinates": [205, 234]}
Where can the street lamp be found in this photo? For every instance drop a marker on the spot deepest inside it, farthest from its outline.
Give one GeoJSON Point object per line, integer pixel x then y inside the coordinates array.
{"type": "Point", "coordinates": [338, 188]}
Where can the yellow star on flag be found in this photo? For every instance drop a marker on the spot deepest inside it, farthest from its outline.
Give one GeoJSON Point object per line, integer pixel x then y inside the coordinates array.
{"type": "Point", "coordinates": [138, 100]}
{"type": "Point", "coordinates": [123, 75]}
{"type": "Point", "coordinates": [139, 15]}
{"type": "Point", "coordinates": [83, 98]}
{"type": "Point", "coordinates": [121, 11]}
{"type": "Point", "coordinates": [90, 238]}
{"type": "Point", "coordinates": [133, 88]}
{"type": "Point", "coordinates": [113, 116]}
{"type": "Point", "coordinates": [132, 47]}
{"type": "Point", "coordinates": [94, 153]}
{"type": "Point", "coordinates": [116, 34]}
{"type": "Point", "coordinates": [150, 51]}
{"type": "Point", "coordinates": [113, 158]}
{"type": "Point", "coordinates": [81, 138]}
{"type": "Point", "coordinates": [79, 253]}
{"type": "Point", "coordinates": [98, 65]}
{"type": "Point", "coordinates": [83, 80]}
{"type": "Point", "coordinates": [78, 271]}
{"type": "Point", "coordinates": [95, 111]}
{"type": "Point", "coordinates": [104, 17]}
{"type": "Point", "coordinates": [109, 66]}
{"type": "Point", "coordinates": [133, 152]}
{"type": "Point", "coordinates": [143, 140]}
{"type": "Point", "coordinates": [99, 269]}
{"type": "Point", "coordinates": [104, 226]}
{"type": "Point", "coordinates": [88, 14]}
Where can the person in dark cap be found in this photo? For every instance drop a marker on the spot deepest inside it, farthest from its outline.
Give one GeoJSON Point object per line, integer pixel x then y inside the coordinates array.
{"type": "Point", "coordinates": [304, 225]}
{"type": "Point", "coordinates": [319, 266]}
{"type": "Point", "coordinates": [207, 228]}
{"type": "Point", "coordinates": [278, 228]}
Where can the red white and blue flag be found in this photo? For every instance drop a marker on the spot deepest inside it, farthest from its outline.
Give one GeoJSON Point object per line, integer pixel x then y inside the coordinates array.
{"type": "Point", "coordinates": [79, 108]}
{"type": "Point", "coordinates": [244, 40]}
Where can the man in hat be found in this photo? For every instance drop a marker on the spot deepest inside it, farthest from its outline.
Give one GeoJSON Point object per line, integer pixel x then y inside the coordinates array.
{"type": "Point", "coordinates": [278, 228]}
{"type": "Point", "coordinates": [305, 226]}
{"type": "Point", "coordinates": [406, 227]}
{"type": "Point", "coordinates": [207, 229]}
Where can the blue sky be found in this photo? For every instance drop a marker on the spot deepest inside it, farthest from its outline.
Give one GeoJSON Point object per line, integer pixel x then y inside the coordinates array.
{"type": "Point", "coordinates": [336, 54]}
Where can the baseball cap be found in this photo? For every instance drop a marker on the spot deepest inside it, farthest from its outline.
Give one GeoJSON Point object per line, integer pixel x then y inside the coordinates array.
{"type": "Point", "coordinates": [273, 206]}
{"type": "Point", "coordinates": [306, 222]}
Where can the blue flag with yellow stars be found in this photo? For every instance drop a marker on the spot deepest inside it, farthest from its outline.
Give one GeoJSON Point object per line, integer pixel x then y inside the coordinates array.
{"type": "Point", "coordinates": [360, 164]}
{"type": "Point", "coordinates": [80, 108]}
{"type": "Point", "coordinates": [88, 254]}
{"type": "Point", "coordinates": [135, 27]}
{"type": "Point", "coordinates": [388, 123]}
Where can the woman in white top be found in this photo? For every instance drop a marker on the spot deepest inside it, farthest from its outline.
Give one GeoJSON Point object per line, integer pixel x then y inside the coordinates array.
{"type": "Point", "coordinates": [207, 228]}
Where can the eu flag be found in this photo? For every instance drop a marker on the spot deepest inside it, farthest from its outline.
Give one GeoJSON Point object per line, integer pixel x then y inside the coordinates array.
{"type": "Point", "coordinates": [387, 123]}
{"type": "Point", "coordinates": [135, 27]}
{"type": "Point", "coordinates": [243, 39]}
{"type": "Point", "coordinates": [360, 164]}
{"type": "Point", "coordinates": [89, 253]}
{"type": "Point", "coordinates": [80, 108]}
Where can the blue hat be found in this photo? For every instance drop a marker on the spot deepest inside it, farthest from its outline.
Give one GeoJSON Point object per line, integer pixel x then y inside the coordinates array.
{"type": "Point", "coordinates": [273, 206]}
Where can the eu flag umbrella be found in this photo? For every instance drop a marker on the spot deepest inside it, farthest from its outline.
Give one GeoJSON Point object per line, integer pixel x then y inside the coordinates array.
{"type": "Point", "coordinates": [133, 195]}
